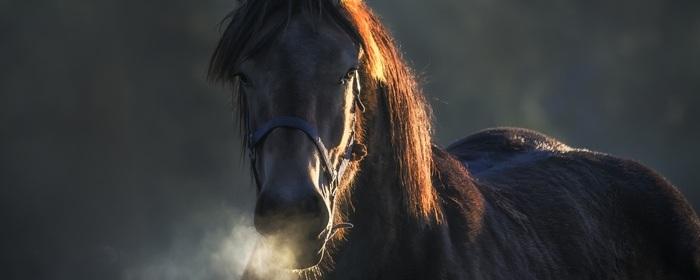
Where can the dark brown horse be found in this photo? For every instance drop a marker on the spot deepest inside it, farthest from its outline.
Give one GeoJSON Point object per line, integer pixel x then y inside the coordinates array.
{"type": "Point", "coordinates": [349, 185]}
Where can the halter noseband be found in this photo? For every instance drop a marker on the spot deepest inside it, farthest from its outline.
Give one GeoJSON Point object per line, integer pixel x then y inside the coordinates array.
{"type": "Point", "coordinates": [333, 175]}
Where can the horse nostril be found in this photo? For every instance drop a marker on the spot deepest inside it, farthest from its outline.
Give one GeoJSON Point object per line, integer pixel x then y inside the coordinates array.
{"type": "Point", "coordinates": [277, 211]}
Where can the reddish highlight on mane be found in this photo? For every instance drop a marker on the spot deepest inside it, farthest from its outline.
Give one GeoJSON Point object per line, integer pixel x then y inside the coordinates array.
{"type": "Point", "coordinates": [408, 112]}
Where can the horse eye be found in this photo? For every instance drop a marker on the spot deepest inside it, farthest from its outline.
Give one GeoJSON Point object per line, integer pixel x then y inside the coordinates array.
{"type": "Point", "coordinates": [242, 79]}
{"type": "Point", "coordinates": [348, 76]}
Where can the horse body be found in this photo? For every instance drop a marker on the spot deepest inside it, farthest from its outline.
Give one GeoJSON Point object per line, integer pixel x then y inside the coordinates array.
{"type": "Point", "coordinates": [521, 205]}
{"type": "Point", "coordinates": [562, 213]}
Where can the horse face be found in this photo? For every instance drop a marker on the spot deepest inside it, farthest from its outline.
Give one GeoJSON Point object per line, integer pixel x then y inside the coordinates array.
{"type": "Point", "coordinates": [303, 73]}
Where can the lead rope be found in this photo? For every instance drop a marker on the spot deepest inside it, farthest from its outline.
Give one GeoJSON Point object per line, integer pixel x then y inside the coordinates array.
{"type": "Point", "coordinates": [354, 151]}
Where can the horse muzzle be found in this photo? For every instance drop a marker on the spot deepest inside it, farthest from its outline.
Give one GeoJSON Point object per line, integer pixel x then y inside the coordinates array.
{"type": "Point", "coordinates": [291, 223]}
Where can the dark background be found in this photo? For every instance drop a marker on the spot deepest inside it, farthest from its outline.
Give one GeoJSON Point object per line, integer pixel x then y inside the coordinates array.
{"type": "Point", "coordinates": [119, 161]}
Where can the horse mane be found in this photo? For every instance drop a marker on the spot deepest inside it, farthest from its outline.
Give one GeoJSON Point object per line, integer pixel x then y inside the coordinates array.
{"type": "Point", "coordinates": [408, 112]}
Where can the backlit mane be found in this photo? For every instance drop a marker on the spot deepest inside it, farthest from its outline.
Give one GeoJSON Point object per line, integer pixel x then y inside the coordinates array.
{"type": "Point", "coordinates": [408, 112]}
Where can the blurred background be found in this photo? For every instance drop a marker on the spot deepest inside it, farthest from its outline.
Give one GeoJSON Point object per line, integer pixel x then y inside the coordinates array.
{"type": "Point", "coordinates": [119, 161]}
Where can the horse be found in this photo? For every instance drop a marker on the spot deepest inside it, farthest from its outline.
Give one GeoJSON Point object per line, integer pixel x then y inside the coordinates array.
{"type": "Point", "coordinates": [349, 184]}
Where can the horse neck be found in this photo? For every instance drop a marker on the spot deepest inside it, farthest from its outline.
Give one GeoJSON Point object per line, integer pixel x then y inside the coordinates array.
{"type": "Point", "coordinates": [377, 196]}
{"type": "Point", "coordinates": [378, 212]}
{"type": "Point", "coordinates": [384, 230]}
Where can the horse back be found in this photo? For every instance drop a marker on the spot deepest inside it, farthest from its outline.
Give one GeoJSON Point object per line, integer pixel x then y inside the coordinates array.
{"type": "Point", "coordinates": [580, 212]}
{"type": "Point", "coordinates": [496, 147]}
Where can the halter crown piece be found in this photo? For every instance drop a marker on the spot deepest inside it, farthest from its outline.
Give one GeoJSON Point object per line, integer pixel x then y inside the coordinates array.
{"type": "Point", "coordinates": [353, 151]}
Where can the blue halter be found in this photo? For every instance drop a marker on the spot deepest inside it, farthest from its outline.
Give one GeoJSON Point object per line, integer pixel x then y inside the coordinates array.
{"type": "Point", "coordinates": [333, 175]}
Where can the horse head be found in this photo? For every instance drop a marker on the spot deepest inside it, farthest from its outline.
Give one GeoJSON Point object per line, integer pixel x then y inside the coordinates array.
{"type": "Point", "coordinates": [300, 103]}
